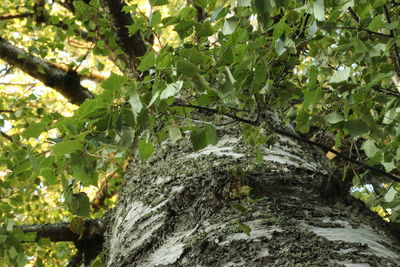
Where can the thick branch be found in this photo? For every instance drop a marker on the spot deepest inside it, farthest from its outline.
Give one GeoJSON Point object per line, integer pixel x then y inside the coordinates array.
{"type": "Point", "coordinates": [133, 46]}
{"type": "Point", "coordinates": [16, 16]}
{"type": "Point", "coordinates": [57, 232]}
{"type": "Point", "coordinates": [45, 72]}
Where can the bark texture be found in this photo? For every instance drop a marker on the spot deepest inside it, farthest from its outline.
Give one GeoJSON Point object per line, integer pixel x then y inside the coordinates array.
{"type": "Point", "coordinates": [66, 83]}
{"type": "Point", "coordinates": [185, 208]}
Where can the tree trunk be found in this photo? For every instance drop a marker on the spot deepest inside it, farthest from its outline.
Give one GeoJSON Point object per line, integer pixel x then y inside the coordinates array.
{"type": "Point", "coordinates": [185, 208]}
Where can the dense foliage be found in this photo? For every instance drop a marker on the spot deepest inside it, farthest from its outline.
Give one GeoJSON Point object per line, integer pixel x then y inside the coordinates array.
{"type": "Point", "coordinates": [329, 69]}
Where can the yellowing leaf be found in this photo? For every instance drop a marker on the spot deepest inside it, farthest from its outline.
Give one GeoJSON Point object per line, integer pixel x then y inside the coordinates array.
{"type": "Point", "coordinates": [331, 155]}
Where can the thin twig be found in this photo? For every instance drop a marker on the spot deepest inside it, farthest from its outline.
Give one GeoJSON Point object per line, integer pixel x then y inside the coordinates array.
{"type": "Point", "coordinates": [337, 153]}
{"type": "Point", "coordinates": [358, 29]}
{"type": "Point", "coordinates": [387, 91]}
{"type": "Point", "coordinates": [214, 111]}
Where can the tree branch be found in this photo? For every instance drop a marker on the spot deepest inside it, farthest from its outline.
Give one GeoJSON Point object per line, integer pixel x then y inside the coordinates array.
{"type": "Point", "coordinates": [133, 46]}
{"type": "Point", "coordinates": [214, 111]}
{"type": "Point", "coordinates": [358, 29]}
{"type": "Point", "coordinates": [395, 47]}
{"type": "Point", "coordinates": [6, 110]}
{"type": "Point", "coordinates": [45, 72]}
{"type": "Point", "coordinates": [60, 231]}
{"type": "Point", "coordinates": [16, 16]}
{"type": "Point", "coordinates": [6, 136]}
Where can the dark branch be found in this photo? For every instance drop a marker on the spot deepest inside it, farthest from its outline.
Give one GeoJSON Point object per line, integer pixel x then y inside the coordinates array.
{"type": "Point", "coordinates": [354, 15]}
{"type": "Point", "coordinates": [6, 136]}
{"type": "Point", "coordinates": [16, 16]}
{"type": "Point", "coordinates": [395, 47]}
{"type": "Point", "coordinates": [214, 111]}
{"type": "Point", "coordinates": [133, 46]}
{"type": "Point", "coordinates": [60, 231]}
{"type": "Point", "coordinates": [358, 29]}
{"type": "Point", "coordinates": [387, 91]}
{"type": "Point", "coordinates": [45, 72]}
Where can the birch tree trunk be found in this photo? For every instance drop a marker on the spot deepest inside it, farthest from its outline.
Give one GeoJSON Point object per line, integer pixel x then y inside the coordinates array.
{"type": "Point", "coordinates": [185, 208]}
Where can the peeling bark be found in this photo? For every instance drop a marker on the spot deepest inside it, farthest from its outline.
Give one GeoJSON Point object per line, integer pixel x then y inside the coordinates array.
{"type": "Point", "coordinates": [45, 72]}
{"type": "Point", "coordinates": [185, 208]}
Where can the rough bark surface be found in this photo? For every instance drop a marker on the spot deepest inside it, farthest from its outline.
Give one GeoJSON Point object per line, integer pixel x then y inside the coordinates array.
{"type": "Point", "coordinates": [185, 208]}
{"type": "Point", "coordinates": [45, 72]}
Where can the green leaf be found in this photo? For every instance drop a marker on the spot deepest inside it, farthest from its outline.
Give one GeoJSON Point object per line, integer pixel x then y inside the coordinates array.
{"type": "Point", "coordinates": [356, 128]}
{"type": "Point", "coordinates": [204, 29]}
{"type": "Point", "coordinates": [263, 6]}
{"type": "Point", "coordinates": [145, 148]}
{"type": "Point", "coordinates": [66, 147]}
{"type": "Point", "coordinates": [114, 81]}
{"type": "Point", "coordinates": [29, 237]}
{"type": "Point", "coordinates": [202, 137]}
{"type": "Point", "coordinates": [80, 205]}
{"type": "Point", "coordinates": [171, 89]}
{"type": "Point", "coordinates": [10, 225]}
{"type": "Point", "coordinates": [12, 253]}
{"type": "Point", "coordinates": [259, 156]}
{"type": "Point", "coordinates": [239, 207]}
{"type": "Point", "coordinates": [334, 117]}
{"type": "Point", "coordinates": [245, 228]}
{"type": "Point", "coordinates": [34, 161]}
{"type": "Point", "coordinates": [148, 61]}
{"type": "Point", "coordinates": [226, 57]}
{"type": "Point", "coordinates": [174, 133]}
{"type": "Point", "coordinates": [303, 122]}
{"type": "Point", "coordinates": [229, 26]}
{"type": "Point", "coordinates": [280, 47]}
{"type": "Point", "coordinates": [83, 170]}
{"type": "Point", "coordinates": [158, 2]}
{"type": "Point", "coordinates": [376, 23]}
{"type": "Point", "coordinates": [390, 194]}
{"type": "Point", "coordinates": [312, 76]}
{"type": "Point", "coordinates": [280, 28]}
{"type": "Point", "coordinates": [370, 148]}
{"type": "Point", "coordinates": [311, 97]}
{"type": "Point", "coordinates": [48, 175]}
{"type": "Point", "coordinates": [34, 130]}
{"type": "Point", "coordinates": [193, 55]}
{"type": "Point", "coordinates": [319, 10]}
{"type": "Point", "coordinates": [40, 69]}
{"type": "Point", "coordinates": [211, 133]}
{"type": "Point", "coordinates": [389, 166]}
{"type": "Point", "coordinates": [186, 68]}
{"type": "Point", "coordinates": [136, 104]}
{"type": "Point", "coordinates": [156, 18]}
{"type": "Point", "coordinates": [340, 75]}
